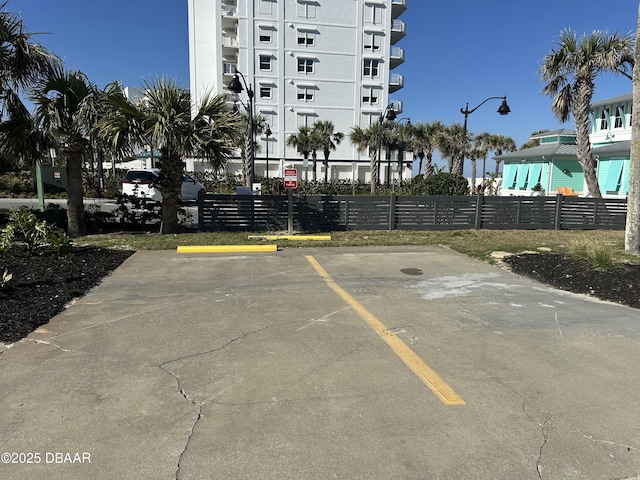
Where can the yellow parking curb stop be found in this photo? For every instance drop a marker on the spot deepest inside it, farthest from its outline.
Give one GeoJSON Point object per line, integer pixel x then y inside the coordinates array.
{"type": "Point", "coordinates": [226, 248]}
{"type": "Point", "coordinates": [290, 237]}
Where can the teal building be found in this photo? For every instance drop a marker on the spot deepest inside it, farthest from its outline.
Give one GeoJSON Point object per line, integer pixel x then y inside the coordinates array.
{"type": "Point", "coordinates": [553, 163]}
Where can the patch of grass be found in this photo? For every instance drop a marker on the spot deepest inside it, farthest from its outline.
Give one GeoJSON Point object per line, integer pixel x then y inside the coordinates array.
{"type": "Point", "coordinates": [475, 243]}
{"type": "Point", "coordinates": [601, 253]}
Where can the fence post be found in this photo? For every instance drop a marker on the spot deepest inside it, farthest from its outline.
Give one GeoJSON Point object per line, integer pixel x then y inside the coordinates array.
{"type": "Point", "coordinates": [392, 211]}
{"type": "Point", "coordinates": [558, 220]}
{"type": "Point", "coordinates": [346, 213]}
{"type": "Point", "coordinates": [201, 211]}
{"type": "Point", "coordinates": [479, 205]}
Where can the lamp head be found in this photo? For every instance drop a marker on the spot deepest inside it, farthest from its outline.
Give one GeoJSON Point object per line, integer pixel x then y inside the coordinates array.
{"type": "Point", "coordinates": [235, 85]}
{"type": "Point", "coordinates": [390, 114]}
{"type": "Point", "coordinates": [504, 108]}
{"type": "Point", "coordinates": [268, 131]}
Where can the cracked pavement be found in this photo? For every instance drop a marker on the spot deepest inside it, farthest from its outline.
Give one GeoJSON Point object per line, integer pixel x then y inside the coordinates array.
{"type": "Point", "coordinates": [228, 366]}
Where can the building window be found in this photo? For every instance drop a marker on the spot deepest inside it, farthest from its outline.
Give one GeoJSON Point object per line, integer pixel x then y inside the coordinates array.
{"type": "Point", "coordinates": [265, 62]}
{"type": "Point", "coordinates": [305, 65]}
{"type": "Point", "coordinates": [370, 95]}
{"type": "Point", "coordinates": [266, 7]}
{"type": "Point", "coordinates": [604, 119]}
{"type": "Point", "coordinates": [370, 119]}
{"type": "Point", "coordinates": [373, 14]}
{"type": "Point", "coordinates": [617, 123]}
{"type": "Point", "coordinates": [306, 119]}
{"type": "Point", "coordinates": [306, 94]}
{"type": "Point", "coordinates": [370, 68]}
{"type": "Point", "coordinates": [306, 39]}
{"type": "Point", "coordinates": [265, 35]}
{"type": "Point", "coordinates": [306, 9]}
{"type": "Point", "coordinates": [265, 91]}
{"type": "Point", "coordinates": [372, 41]}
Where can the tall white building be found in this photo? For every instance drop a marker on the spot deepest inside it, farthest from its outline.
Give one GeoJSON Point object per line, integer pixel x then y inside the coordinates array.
{"type": "Point", "coordinates": [306, 60]}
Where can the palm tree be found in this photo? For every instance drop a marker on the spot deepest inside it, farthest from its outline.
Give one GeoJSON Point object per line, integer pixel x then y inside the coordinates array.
{"type": "Point", "coordinates": [367, 140]}
{"type": "Point", "coordinates": [21, 139]}
{"type": "Point", "coordinates": [328, 140]}
{"type": "Point", "coordinates": [65, 109]}
{"type": "Point", "coordinates": [570, 71]}
{"type": "Point", "coordinates": [166, 118]}
{"type": "Point", "coordinates": [424, 143]}
{"type": "Point", "coordinates": [402, 141]}
{"type": "Point", "coordinates": [23, 62]}
{"type": "Point", "coordinates": [483, 143]}
{"type": "Point", "coordinates": [303, 143]}
{"type": "Point", "coordinates": [454, 145]}
{"type": "Point", "coordinates": [501, 144]}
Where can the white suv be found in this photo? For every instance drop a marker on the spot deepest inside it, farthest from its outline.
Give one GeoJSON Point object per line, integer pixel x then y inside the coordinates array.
{"type": "Point", "coordinates": [141, 183]}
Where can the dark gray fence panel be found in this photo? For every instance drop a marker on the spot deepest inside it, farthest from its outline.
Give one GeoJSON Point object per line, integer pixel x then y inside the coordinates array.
{"type": "Point", "coordinates": [593, 213]}
{"type": "Point", "coordinates": [333, 213]}
{"type": "Point", "coordinates": [242, 212]}
{"type": "Point", "coordinates": [320, 213]}
{"type": "Point", "coordinates": [518, 212]}
{"type": "Point", "coordinates": [435, 212]}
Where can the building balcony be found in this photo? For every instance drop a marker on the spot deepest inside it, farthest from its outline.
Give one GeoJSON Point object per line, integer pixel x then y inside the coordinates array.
{"type": "Point", "coordinates": [398, 31]}
{"type": "Point", "coordinates": [398, 7]}
{"type": "Point", "coordinates": [229, 11]}
{"type": "Point", "coordinates": [396, 82]}
{"type": "Point", "coordinates": [398, 107]}
{"type": "Point", "coordinates": [229, 18]}
{"type": "Point", "coordinates": [396, 57]}
{"type": "Point", "coordinates": [229, 41]}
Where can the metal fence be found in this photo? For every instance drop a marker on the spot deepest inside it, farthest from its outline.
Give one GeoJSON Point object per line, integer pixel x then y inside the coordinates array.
{"type": "Point", "coordinates": [394, 212]}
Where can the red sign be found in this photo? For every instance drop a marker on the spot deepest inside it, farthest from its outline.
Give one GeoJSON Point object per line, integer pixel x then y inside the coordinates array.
{"type": "Point", "coordinates": [290, 178]}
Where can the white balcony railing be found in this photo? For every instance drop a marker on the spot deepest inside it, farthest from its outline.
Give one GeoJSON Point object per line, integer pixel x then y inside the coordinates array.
{"type": "Point", "coordinates": [229, 11]}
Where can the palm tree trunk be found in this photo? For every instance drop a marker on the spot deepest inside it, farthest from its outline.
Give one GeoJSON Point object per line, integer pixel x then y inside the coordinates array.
{"type": "Point", "coordinates": [583, 94]}
{"type": "Point", "coordinates": [314, 167]}
{"type": "Point", "coordinates": [326, 167]}
{"type": "Point", "coordinates": [456, 166]}
{"type": "Point", "coordinates": [497, 167]}
{"type": "Point", "coordinates": [373, 158]}
{"type": "Point", "coordinates": [75, 202]}
{"type": "Point", "coordinates": [474, 173]}
{"type": "Point", "coordinates": [428, 164]}
{"type": "Point", "coordinates": [170, 186]}
{"type": "Point", "coordinates": [632, 229]}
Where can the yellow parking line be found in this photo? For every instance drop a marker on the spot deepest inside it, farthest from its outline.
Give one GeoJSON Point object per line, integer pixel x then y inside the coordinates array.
{"type": "Point", "coordinates": [324, 238]}
{"type": "Point", "coordinates": [226, 248]}
{"type": "Point", "coordinates": [408, 356]}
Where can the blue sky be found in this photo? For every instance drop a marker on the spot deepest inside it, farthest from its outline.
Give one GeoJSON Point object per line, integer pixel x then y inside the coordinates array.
{"type": "Point", "coordinates": [456, 51]}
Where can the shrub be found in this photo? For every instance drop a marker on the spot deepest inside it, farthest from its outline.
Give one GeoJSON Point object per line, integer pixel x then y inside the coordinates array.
{"type": "Point", "coordinates": [25, 226]}
{"type": "Point", "coordinates": [440, 184]}
{"type": "Point", "coordinates": [598, 253]}
{"type": "Point", "coordinates": [16, 183]}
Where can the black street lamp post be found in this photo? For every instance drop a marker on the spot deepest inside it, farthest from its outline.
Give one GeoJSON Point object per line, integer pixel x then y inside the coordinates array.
{"type": "Point", "coordinates": [236, 87]}
{"type": "Point", "coordinates": [267, 134]}
{"type": "Point", "coordinates": [388, 114]}
{"type": "Point", "coordinates": [503, 110]}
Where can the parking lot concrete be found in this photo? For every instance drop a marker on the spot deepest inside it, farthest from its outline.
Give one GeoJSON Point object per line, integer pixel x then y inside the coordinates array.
{"type": "Point", "coordinates": [323, 363]}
